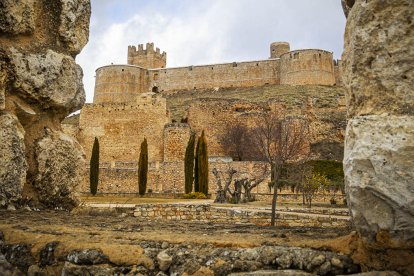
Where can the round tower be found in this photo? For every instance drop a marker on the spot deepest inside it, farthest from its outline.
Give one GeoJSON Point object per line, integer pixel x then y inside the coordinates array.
{"type": "Point", "coordinates": [279, 48]}
{"type": "Point", "coordinates": [309, 66]}
{"type": "Point", "coordinates": [119, 83]}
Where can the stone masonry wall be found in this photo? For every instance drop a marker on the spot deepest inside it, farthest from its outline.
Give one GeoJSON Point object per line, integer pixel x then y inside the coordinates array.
{"type": "Point", "coordinates": [176, 137]}
{"type": "Point", "coordinates": [119, 84]}
{"type": "Point", "coordinates": [307, 67]}
{"type": "Point", "coordinates": [165, 177]}
{"type": "Point", "coordinates": [121, 128]}
{"type": "Point", "coordinates": [208, 213]}
{"type": "Point", "coordinates": [236, 74]}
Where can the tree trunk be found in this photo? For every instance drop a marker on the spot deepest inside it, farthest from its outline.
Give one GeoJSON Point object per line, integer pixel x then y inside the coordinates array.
{"type": "Point", "coordinates": [274, 199]}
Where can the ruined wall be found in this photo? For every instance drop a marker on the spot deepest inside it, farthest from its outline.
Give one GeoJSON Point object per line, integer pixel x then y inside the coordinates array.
{"type": "Point", "coordinates": [278, 48]}
{"type": "Point", "coordinates": [338, 73]}
{"type": "Point", "coordinates": [40, 84]}
{"type": "Point", "coordinates": [310, 66]}
{"type": "Point", "coordinates": [147, 58]}
{"type": "Point", "coordinates": [176, 137]}
{"type": "Point", "coordinates": [121, 128]}
{"type": "Point", "coordinates": [119, 84]}
{"type": "Point", "coordinates": [237, 74]}
{"type": "Point", "coordinates": [378, 64]}
{"type": "Point", "coordinates": [164, 177]}
{"type": "Point", "coordinates": [215, 116]}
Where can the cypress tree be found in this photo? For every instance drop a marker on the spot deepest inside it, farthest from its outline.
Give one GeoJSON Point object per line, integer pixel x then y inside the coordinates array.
{"type": "Point", "coordinates": [143, 168]}
{"type": "Point", "coordinates": [196, 169]}
{"type": "Point", "coordinates": [189, 164]}
{"type": "Point", "coordinates": [202, 159]}
{"type": "Point", "coordinates": [94, 168]}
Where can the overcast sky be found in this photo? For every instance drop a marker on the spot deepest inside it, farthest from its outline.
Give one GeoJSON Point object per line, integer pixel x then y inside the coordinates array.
{"type": "Point", "coordinates": [207, 31]}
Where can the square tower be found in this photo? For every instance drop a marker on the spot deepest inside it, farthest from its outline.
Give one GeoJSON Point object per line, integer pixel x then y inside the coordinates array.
{"type": "Point", "coordinates": [147, 58]}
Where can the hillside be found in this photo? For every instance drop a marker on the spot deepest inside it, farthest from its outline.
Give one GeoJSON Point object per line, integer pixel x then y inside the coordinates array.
{"type": "Point", "coordinates": [292, 96]}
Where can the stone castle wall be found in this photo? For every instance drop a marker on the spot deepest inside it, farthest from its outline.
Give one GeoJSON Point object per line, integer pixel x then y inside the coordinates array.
{"type": "Point", "coordinates": [148, 58]}
{"type": "Point", "coordinates": [121, 128]}
{"type": "Point", "coordinates": [176, 137]}
{"type": "Point", "coordinates": [166, 177]}
{"type": "Point", "coordinates": [236, 74]}
{"type": "Point", "coordinates": [119, 84]}
{"type": "Point", "coordinates": [307, 67]}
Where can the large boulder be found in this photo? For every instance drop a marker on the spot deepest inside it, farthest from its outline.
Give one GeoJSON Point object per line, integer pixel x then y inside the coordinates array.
{"type": "Point", "coordinates": [43, 76]}
{"type": "Point", "coordinates": [378, 66]}
{"type": "Point", "coordinates": [40, 84]}
{"type": "Point", "coordinates": [61, 162]}
{"type": "Point", "coordinates": [12, 162]}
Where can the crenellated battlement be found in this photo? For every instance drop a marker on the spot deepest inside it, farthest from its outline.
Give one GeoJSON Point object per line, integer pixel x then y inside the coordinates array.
{"type": "Point", "coordinates": [149, 57]}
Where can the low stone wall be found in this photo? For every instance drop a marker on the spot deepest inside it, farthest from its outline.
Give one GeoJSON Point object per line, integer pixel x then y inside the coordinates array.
{"type": "Point", "coordinates": [206, 212]}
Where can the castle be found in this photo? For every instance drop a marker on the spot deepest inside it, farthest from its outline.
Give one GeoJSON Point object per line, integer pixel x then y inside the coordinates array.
{"type": "Point", "coordinates": [130, 103]}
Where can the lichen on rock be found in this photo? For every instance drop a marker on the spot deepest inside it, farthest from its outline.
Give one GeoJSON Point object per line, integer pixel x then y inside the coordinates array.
{"type": "Point", "coordinates": [12, 162]}
{"type": "Point", "coordinates": [61, 163]}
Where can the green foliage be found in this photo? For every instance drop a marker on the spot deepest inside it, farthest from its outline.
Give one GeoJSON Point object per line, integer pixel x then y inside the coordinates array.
{"type": "Point", "coordinates": [94, 168]}
{"type": "Point", "coordinates": [202, 164]}
{"type": "Point", "coordinates": [189, 164]}
{"type": "Point", "coordinates": [143, 168]}
{"type": "Point", "coordinates": [196, 169]}
{"type": "Point", "coordinates": [195, 195]}
{"type": "Point", "coordinates": [312, 183]}
{"type": "Point", "coordinates": [333, 170]}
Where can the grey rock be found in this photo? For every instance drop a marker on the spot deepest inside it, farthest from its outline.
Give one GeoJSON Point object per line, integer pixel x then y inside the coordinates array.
{"type": "Point", "coordinates": [11, 207]}
{"type": "Point", "coordinates": [19, 256]}
{"type": "Point", "coordinates": [378, 164]}
{"type": "Point", "coordinates": [61, 162]}
{"type": "Point", "coordinates": [74, 24]}
{"type": "Point", "coordinates": [52, 79]}
{"type": "Point", "coordinates": [70, 269]}
{"type": "Point", "coordinates": [378, 273]}
{"type": "Point", "coordinates": [6, 269]}
{"type": "Point", "coordinates": [347, 6]}
{"type": "Point", "coordinates": [165, 245]}
{"type": "Point", "coordinates": [273, 273]}
{"type": "Point", "coordinates": [13, 164]}
{"type": "Point", "coordinates": [249, 254]}
{"type": "Point", "coordinates": [318, 260]}
{"type": "Point", "coordinates": [47, 254]}
{"type": "Point", "coordinates": [17, 17]}
{"type": "Point", "coordinates": [164, 260]}
{"type": "Point", "coordinates": [87, 257]}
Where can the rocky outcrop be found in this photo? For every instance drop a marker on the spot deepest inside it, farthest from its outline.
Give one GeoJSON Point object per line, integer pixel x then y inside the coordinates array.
{"type": "Point", "coordinates": [40, 84]}
{"type": "Point", "coordinates": [378, 63]}
{"type": "Point", "coordinates": [61, 163]}
{"type": "Point", "coordinates": [12, 162]}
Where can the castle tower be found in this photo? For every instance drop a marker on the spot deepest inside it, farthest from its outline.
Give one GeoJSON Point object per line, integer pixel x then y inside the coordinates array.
{"type": "Point", "coordinates": [147, 58]}
{"type": "Point", "coordinates": [279, 48]}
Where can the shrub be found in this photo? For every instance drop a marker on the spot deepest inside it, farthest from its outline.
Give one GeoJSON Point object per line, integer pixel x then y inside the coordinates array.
{"type": "Point", "coordinates": [94, 168]}
{"type": "Point", "coordinates": [189, 164]}
{"type": "Point", "coordinates": [202, 160]}
{"type": "Point", "coordinates": [143, 168]}
{"type": "Point", "coordinates": [195, 195]}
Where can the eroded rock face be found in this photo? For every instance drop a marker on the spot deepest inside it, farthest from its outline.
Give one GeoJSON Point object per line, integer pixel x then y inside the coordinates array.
{"type": "Point", "coordinates": [12, 162]}
{"type": "Point", "coordinates": [60, 168]}
{"type": "Point", "coordinates": [378, 63]}
{"type": "Point", "coordinates": [40, 84]}
{"type": "Point", "coordinates": [42, 76]}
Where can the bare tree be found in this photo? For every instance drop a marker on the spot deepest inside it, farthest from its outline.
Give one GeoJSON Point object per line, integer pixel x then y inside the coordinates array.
{"type": "Point", "coordinates": [222, 196]}
{"type": "Point", "coordinates": [280, 139]}
{"type": "Point", "coordinates": [236, 141]}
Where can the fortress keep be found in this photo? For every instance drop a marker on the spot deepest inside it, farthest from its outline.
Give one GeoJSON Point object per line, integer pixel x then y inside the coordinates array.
{"type": "Point", "coordinates": [130, 104]}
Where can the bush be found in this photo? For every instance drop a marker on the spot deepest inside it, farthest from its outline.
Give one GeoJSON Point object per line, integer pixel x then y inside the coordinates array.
{"type": "Point", "coordinates": [195, 195]}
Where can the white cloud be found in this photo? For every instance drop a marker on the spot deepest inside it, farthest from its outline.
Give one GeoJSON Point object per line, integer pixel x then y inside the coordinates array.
{"type": "Point", "coordinates": [208, 31]}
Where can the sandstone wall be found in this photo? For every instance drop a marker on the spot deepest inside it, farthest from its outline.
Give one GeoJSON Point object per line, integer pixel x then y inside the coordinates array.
{"type": "Point", "coordinates": [119, 84]}
{"type": "Point", "coordinates": [176, 137]}
{"type": "Point", "coordinates": [40, 84]}
{"type": "Point", "coordinates": [165, 177]}
{"type": "Point", "coordinates": [378, 63]}
{"type": "Point", "coordinates": [307, 67]}
{"type": "Point", "coordinates": [237, 74]}
{"type": "Point", "coordinates": [121, 128]}
{"type": "Point", "coordinates": [207, 213]}
{"type": "Point", "coordinates": [215, 116]}
{"type": "Point", "coordinates": [147, 58]}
